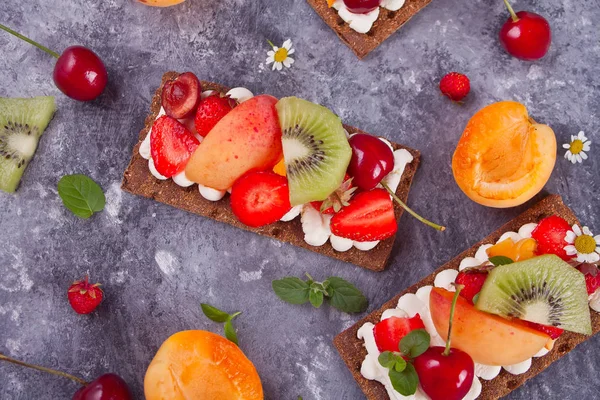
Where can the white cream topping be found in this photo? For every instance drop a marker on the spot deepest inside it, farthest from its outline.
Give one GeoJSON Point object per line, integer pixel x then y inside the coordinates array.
{"type": "Point", "coordinates": [154, 172]}
{"type": "Point", "coordinates": [594, 300]}
{"type": "Point", "coordinates": [362, 23]}
{"type": "Point", "coordinates": [211, 194]}
{"type": "Point", "coordinates": [315, 226]}
{"type": "Point", "coordinates": [392, 5]}
{"type": "Point", "coordinates": [293, 213]}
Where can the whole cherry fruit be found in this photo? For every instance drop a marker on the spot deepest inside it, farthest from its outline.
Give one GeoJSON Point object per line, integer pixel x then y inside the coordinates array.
{"type": "Point", "coordinates": [371, 161]}
{"type": "Point", "coordinates": [180, 96]}
{"type": "Point", "coordinates": [105, 387]}
{"type": "Point", "coordinates": [445, 376]}
{"type": "Point", "coordinates": [525, 35]}
{"type": "Point", "coordinates": [361, 6]}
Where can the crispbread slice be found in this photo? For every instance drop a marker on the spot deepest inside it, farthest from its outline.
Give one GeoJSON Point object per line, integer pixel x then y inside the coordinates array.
{"type": "Point", "coordinates": [352, 351]}
{"type": "Point", "coordinates": [137, 179]}
{"type": "Point", "coordinates": [363, 43]}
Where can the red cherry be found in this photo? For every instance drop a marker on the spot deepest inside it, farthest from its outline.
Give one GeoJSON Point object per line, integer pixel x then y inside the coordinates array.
{"type": "Point", "coordinates": [105, 387]}
{"type": "Point", "coordinates": [361, 6]}
{"type": "Point", "coordinates": [445, 376]}
{"type": "Point", "coordinates": [371, 161]}
{"type": "Point", "coordinates": [180, 96]}
{"type": "Point", "coordinates": [80, 74]}
{"type": "Point", "coordinates": [525, 35]}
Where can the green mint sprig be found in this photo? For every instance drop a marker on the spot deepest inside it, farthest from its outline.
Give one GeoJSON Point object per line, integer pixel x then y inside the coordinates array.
{"type": "Point", "coordinates": [500, 260]}
{"type": "Point", "coordinates": [214, 314]}
{"type": "Point", "coordinates": [81, 195]}
{"type": "Point", "coordinates": [402, 373]}
{"type": "Point", "coordinates": [341, 294]}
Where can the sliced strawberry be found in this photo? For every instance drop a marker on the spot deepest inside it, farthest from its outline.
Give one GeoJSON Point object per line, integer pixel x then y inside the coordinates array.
{"type": "Point", "coordinates": [551, 331]}
{"type": "Point", "coordinates": [368, 217]}
{"type": "Point", "coordinates": [550, 236]}
{"type": "Point", "coordinates": [260, 198]}
{"type": "Point", "coordinates": [171, 145]}
{"type": "Point", "coordinates": [473, 280]}
{"type": "Point", "coordinates": [180, 96]}
{"type": "Point", "coordinates": [592, 277]}
{"type": "Point", "coordinates": [390, 331]}
{"type": "Point", "coordinates": [211, 110]}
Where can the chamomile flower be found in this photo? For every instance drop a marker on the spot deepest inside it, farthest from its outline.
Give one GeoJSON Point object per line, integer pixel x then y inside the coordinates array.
{"type": "Point", "coordinates": [280, 56]}
{"type": "Point", "coordinates": [583, 245]}
{"type": "Point", "coordinates": [577, 148]}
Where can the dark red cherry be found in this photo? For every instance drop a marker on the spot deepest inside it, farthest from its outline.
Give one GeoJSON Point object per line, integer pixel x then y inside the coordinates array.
{"type": "Point", "coordinates": [80, 74]}
{"type": "Point", "coordinates": [445, 377]}
{"type": "Point", "coordinates": [525, 35]}
{"type": "Point", "coordinates": [361, 6]}
{"type": "Point", "coordinates": [371, 161]}
{"type": "Point", "coordinates": [180, 97]}
{"type": "Point", "coordinates": [105, 387]}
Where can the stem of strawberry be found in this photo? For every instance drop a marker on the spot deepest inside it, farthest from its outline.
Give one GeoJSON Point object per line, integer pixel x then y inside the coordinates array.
{"type": "Point", "coordinates": [410, 211]}
{"type": "Point", "coordinates": [454, 300]}
{"type": "Point", "coordinates": [513, 15]}
{"type": "Point", "coordinates": [43, 369]}
{"type": "Point", "coordinates": [25, 38]}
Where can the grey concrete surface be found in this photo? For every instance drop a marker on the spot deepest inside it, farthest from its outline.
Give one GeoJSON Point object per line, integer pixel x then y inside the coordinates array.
{"type": "Point", "coordinates": [158, 263]}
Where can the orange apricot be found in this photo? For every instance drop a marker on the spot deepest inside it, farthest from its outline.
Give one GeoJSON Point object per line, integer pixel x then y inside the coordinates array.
{"type": "Point", "coordinates": [160, 3]}
{"type": "Point", "coordinates": [522, 250]}
{"type": "Point", "coordinates": [279, 168]}
{"type": "Point", "coordinates": [194, 365]}
{"type": "Point", "coordinates": [503, 157]}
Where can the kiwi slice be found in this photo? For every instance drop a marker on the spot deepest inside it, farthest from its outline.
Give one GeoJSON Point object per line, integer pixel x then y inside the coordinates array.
{"type": "Point", "coordinates": [22, 122]}
{"type": "Point", "coordinates": [315, 149]}
{"type": "Point", "coordinates": [543, 289]}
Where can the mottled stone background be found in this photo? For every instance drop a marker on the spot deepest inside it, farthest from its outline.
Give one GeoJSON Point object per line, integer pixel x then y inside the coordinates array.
{"type": "Point", "coordinates": [158, 263]}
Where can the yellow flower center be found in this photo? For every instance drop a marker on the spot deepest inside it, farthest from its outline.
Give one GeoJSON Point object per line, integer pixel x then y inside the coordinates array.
{"type": "Point", "coordinates": [585, 244]}
{"type": "Point", "coordinates": [576, 146]}
{"type": "Point", "coordinates": [281, 55]}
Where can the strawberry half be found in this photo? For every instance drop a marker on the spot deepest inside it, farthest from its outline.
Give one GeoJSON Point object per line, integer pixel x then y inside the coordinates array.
{"type": "Point", "coordinates": [368, 217]}
{"type": "Point", "coordinates": [171, 146]}
{"type": "Point", "coordinates": [211, 110]}
{"type": "Point", "coordinates": [390, 331]}
{"type": "Point", "coordinates": [260, 198]}
{"type": "Point", "coordinates": [550, 236]}
{"type": "Point", "coordinates": [592, 277]}
{"type": "Point", "coordinates": [84, 297]}
{"type": "Point", "coordinates": [473, 280]}
{"type": "Point", "coordinates": [551, 331]}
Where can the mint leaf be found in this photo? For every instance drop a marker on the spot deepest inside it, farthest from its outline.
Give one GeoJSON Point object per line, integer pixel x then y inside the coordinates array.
{"type": "Point", "coordinates": [400, 364]}
{"type": "Point", "coordinates": [81, 195]}
{"type": "Point", "coordinates": [406, 381]}
{"type": "Point", "coordinates": [214, 314]}
{"type": "Point", "coordinates": [316, 298]}
{"type": "Point", "coordinates": [500, 260]}
{"type": "Point", "coordinates": [387, 359]}
{"type": "Point", "coordinates": [345, 296]}
{"type": "Point", "coordinates": [230, 332]}
{"type": "Point", "coordinates": [291, 290]}
{"type": "Point", "coordinates": [415, 343]}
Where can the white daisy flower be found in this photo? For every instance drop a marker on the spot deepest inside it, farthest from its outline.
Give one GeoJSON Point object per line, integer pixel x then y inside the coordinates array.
{"type": "Point", "coordinates": [280, 56]}
{"type": "Point", "coordinates": [583, 245]}
{"type": "Point", "coordinates": [577, 147]}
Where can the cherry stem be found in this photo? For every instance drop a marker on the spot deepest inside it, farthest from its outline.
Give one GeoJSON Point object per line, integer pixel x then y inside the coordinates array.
{"type": "Point", "coordinates": [410, 211]}
{"type": "Point", "coordinates": [452, 308]}
{"type": "Point", "coordinates": [513, 15]}
{"type": "Point", "coordinates": [44, 369]}
{"type": "Point", "coordinates": [25, 38]}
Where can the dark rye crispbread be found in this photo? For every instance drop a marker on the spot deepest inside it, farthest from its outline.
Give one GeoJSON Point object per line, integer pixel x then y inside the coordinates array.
{"type": "Point", "coordinates": [387, 23]}
{"type": "Point", "coordinates": [138, 180]}
{"type": "Point", "coordinates": [353, 352]}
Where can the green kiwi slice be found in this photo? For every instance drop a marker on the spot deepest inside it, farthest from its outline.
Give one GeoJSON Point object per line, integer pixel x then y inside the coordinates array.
{"type": "Point", "coordinates": [22, 122]}
{"type": "Point", "coordinates": [543, 289]}
{"type": "Point", "coordinates": [315, 149]}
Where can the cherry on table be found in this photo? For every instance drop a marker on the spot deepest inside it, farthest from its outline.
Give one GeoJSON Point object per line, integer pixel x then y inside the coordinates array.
{"type": "Point", "coordinates": [525, 35]}
{"type": "Point", "coordinates": [361, 6]}
{"type": "Point", "coordinates": [105, 387]}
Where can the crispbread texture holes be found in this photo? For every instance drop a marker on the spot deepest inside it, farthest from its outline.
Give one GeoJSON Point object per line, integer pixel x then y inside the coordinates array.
{"type": "Point", "coordinates": [352, 351]}
{"type": "Point", "coordinates": [138, 180]}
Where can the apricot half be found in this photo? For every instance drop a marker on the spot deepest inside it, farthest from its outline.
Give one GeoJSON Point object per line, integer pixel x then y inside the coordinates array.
{"type": "Point", "coordinates": [503, 157]}
{"type": "Point", "coordinates": [160, 3]}
{"type": "Point", "coordinates": [487, 338]}
{"type": "Point", "coordinates": [195, 365]}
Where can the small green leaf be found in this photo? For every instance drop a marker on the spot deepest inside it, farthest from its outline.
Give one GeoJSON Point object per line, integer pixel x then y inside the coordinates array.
{"type": "Point", "coordinates": [345, 296]}
{"type": "Point", "coordinates": [387, 359]}
{"type": "Point", "coordinates": [405, 382]}
{"type": "Point", "coordinates": [415, 343]}
{"type": "Point", "coordinates": [291, 290]}
{"type": "Point", "coordinates": [214, 314]}
{"type": "Point", "coordinates": [81, 195]}
{"type": "Point", "coordinates": [232, 316]}
{"type": "Point", "coordinates": [500, 260]}
{"type": "Point", "coordinates": [400, 364]}
{"type": "Point", "coordinates": [316, 298]}
{"type": "Point", "coordinates": [230, 332]}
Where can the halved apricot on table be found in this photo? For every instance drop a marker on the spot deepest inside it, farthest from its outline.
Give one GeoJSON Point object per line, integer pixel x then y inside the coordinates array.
{"type": "Point", "coordinates": [200, 365]}
{"type": "Point", "coordinates": [160, 3]}
{"type": "Point", "coordinates": [487, 338]}
{"type": "Point", "coordinates": [503, 157]}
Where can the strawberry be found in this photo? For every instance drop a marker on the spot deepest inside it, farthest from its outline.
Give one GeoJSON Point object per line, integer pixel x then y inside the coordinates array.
{"type": "Point", "coordinates": [260, 198]}
{"type": "Point", "coordinates": [336, 200]}
{"type": "Point", "coordinates": [84, 297]}
{"type": "Point", "coordinates": [368, 217]}
{"type": "Point", "coordinates": [455, 85]}
{"type": "Point", "coordinates": [390, 331]}
{"type": "Point", "coordinates": [473, 280]}
{"type": "Point", "coordinates": [551, 331]}
{"type": "Point", "coordinates": [171, 145]}
{"type": "Point", "coordinates": [550, 236]}
{"type": "Point", "coordinates": [592, 277]}
{"type": "Point", "coordinates": [210, 111]}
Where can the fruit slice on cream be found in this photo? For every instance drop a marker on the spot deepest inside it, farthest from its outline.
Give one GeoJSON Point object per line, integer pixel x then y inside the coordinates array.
{"type": "Point", "coordinates": [503, 157]}
{"type": "Point", "coordinates": [195, 365]}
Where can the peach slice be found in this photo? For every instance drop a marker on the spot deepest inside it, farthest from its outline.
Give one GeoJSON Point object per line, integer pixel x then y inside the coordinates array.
{"type": "Point", "coordinates": [487, 338]}
{"type": "Point", "coordinates": [524, 249]}
{"type": "Point", "coordinates": [160, 3]}
{"type": "Point", "coordinates": [503, 157]}
{"type": "Point", "coordinates": [194, 365]}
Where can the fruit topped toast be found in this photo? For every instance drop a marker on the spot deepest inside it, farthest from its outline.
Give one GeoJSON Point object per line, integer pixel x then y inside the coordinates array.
{"type": "Point", "coordinates": [285, 168]}
{"type": "Point", "coordinates": [526, 295]}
